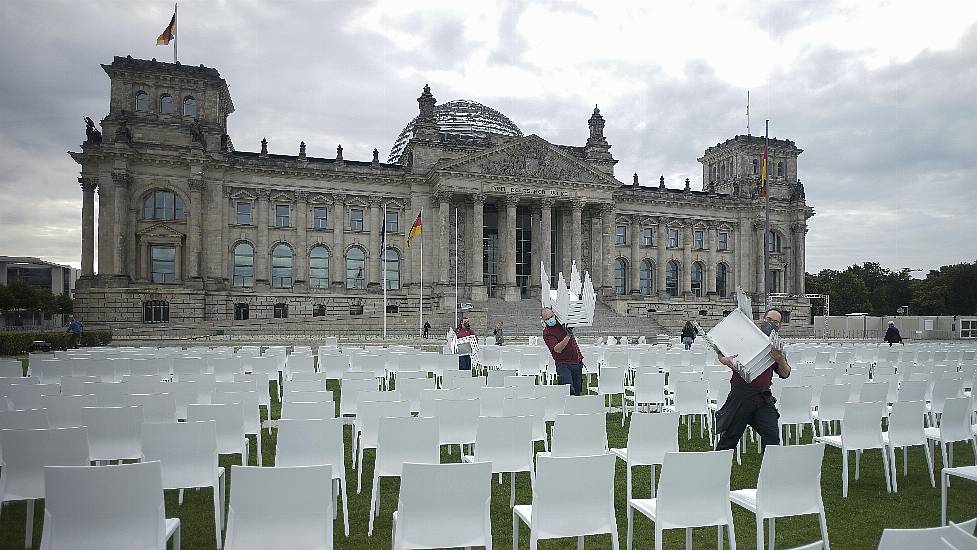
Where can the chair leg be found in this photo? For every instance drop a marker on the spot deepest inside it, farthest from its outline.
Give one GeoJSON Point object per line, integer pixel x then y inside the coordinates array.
{"type": "Point", "coordinates": [512, 488]}
{"type": "Point", "coordinates": [886, 470]}
{"type": "Point", "coordinates": [342, 490]}
{"type": "Point", "coordinates": [373, 504]}
{"type": "Point", "coordinates": [858, 462]}
{"type": "Point", "coordinates": [629, 538]}
{"type": "Point", "coordinates": [719, 537]}
{"type": "Point", "coordinates": [730, 530]}
{"type": "Point", "coordinates": [176, 538]}
{"type": "Point", "coordinates": [844, 473]}
{"type": "Point", "coordinates": [658, 537]}
{"type": "Point", "coordinates": [905, 460]}
{"type": "Point", "coordinates": [259, 446]}
{"type": "Point", "coordinates": [929, 462]}
{"type": "Point", "coordinates": [771, 532]}
{"type": "Point", "coordinates": [179, 497]}
{"type": "Point", "coordinates": [893, 469]}
{"type": "Point", "coordinates": [217, 514]}
{"type": "Point", "coordinates": [29, 530]}
{"type": "Point", "coordinates": [943, 487]}
{"type": "Point", "coordinates": [359, 471]}
{"type": "Point", "coordinates": [654, 485]}
{"type": "Point", "coordinates": [824, 527]}
{"type": "Point", "coordinates": [515, 531]}
{"type": "Point", "coordinates": [579, 543]}
{"type": "Point", "coordinates": [688, 538]}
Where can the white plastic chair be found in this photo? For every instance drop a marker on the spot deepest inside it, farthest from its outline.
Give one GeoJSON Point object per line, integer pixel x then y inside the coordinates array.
{"type": "Point", "coordinates": [561, 508]}
{"type": "Point", "coordinates": [401, 440]}
{"type": "Point", "coordinates": [649, 389]}
{"type": "Point", "coordinates": [507, 443]}
{"type": "Point", "coordinates": [187, 453]}
{"type": "Point", "coordinates": [312, 442]}
{"type": "Point", "coordinates": [280, 507]}
{"type": "Point", "coordinates": [77, 385]}
{"type": "Point", "coordinates": [861, 429]}
{"type": "Point", "coordinates": [157, 408]}
{"type": "Point", "coordinates": [795, 410]}
{"type": "Point", "coordinates": [694, 492]}
{"type": "Point", "coordinates": [789, 484]}
{"type": "Point", "coordinates": [457, 422]}
{"type": "Point", "coordinates": [691, 399]}
{"type": "Point", "coordinates": [954, 426]}
{"type": "Point", "coordinates": [579, 435]}
{"type": "Point", "coordinates": [459, 516]}
{"type": "Point", "coordinates": [64, 411]}
{"type": "Point", "coordinates": [113, 432]}
{"type": "Point", "coordinates": [490, 399]}
{"type": "Point", "coordinates": [308, 410]}
{"type": "Point", "coordinates": [106, 508]}
{"type": "Point", "coordinates": [610, 382]}
{"type": "Point", "coordinates": [365, 430]}
{"type": "Point", "coordinates": [28, 452]}
{"type": "Point", "coordinates": [230, 426]}
{"type": "Point", "coordinates": [650, 436]}
{"type": "Point", "coordinates": [917, 539]}
{"type": "Point", "coordinates": [831, 406]}
{"type": "Point", "coordinates": [305, 385]}
{"type": "Point", "coordinates": [535, 408]}
{"type": "Point", "coordinates": [584, 404]}
{"type": "Point", "coordinates": [906, 430]}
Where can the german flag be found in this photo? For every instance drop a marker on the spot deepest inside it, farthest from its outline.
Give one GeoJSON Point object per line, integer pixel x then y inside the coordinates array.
{"type": "Point", "coordinates": [415, 229]}
{"type": "Point", "coordinates": [168, 33]}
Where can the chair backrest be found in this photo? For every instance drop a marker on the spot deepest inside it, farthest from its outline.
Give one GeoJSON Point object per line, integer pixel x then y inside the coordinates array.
{"type": "Point", "coordinates": [76, 385]}
{"type": "Point", "coordinates": [368, 417]}
{"type": "Point", "coordinates": [305, 385]}
{"type": "Point", "coordinates": [833, 400]}
{"type": "Point", "coordinates": [281, 507]}
{"type": "Point", "coordinates": [872, 392]}
{"type": "Point", "coordinates": [583, 404]}
{"type": "Point", "coordinates": [403, 440]}
{"type": "Point", "coordinates": [187, 452]}
{"type": "Point", "coordinates": [113, 432]}
{"type": "Point", "coordinates": [534, 408]}
{"type": "Point", "coordinates": [916, 539]}
{"type": "Point", "coordinates": [307, 396]}
{"type": "Point", "coordinates": [411, 388]}
{"type": "Point", "coordinates": [506, 442]}
{"type": "Point", "coordinates": [562, 509]}
{"type": "Point", "coordinates": [525, 385]}
{"type": "Point", "coordinates": [795, 404]}
{"type": "Point", "coordinates": [580, 435]}
{"type": "Point", "coordinates": [611, 378]}
{"type": "Point", "coordinates": [694, 489]}
{"type": "Point", "coordinates": [651, 436]}
{"type": "Point", "coordinates": [249, 407]}
{"type": "Point", "coordinates": [491, 398]}
{"type": "Point", "coordinates": [861, 428]}
{"type": "Point", "coordinates": [649, 387]}
{"type": "Point", "coordinates": [29, 396]}
{"type": "Point", "coordinates": [225, 368]}
{"type": "Point", "coordinates": [690, 397]}
{"type": "Point", "coordinates": [496, 377]}
{"type": "Point", "coordinates": [29, 451]}
{"type": "Point", "coordinates": [457, 420]}
{"type": "Point", "coordinates": [306, 410]}
{"type": "Point", "coordinates": [64, 411]}
{"type": "Point", "coordinates": [157, 408]}
{"type": "Point", "coordinates": [136, 383]}
{"type": "Point", "coordinates": [230, 424]}
{"type": "Point", "coordinates": [310, 442]}
{"type": "Point", "coordinates": [906, 424]}
{"type": "Point", "coordinates": [104, 507]}
{"type": "Point", "coordinates": [460, 514]}
{"type": "Point", "coordinates": [955, 421]}
{"type": "Point", "coordinates": [789, 483]}
{"type": "Point", "coordinates": [349, 393]}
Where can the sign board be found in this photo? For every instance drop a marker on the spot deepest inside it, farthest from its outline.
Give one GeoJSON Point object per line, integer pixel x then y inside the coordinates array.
{"type": "Point", "coordinates": [927, 324]}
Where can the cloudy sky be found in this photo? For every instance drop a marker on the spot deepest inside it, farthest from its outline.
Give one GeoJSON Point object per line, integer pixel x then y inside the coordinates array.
{"type": "Point", "coordinates": [882, 96]}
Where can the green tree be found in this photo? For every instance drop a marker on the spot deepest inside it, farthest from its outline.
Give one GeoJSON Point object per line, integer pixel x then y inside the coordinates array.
{"type": "Point", "coordinates": [848, 294]}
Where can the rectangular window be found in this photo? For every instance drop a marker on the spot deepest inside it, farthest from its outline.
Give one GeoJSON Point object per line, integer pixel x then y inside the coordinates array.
{"type": "Point", "coordinates": [649, 236]}
{"type": "Point", "coordinates": [242, 312]}
{"type": "Point", "coordinates": [723, 240]}
{"type": "Point", "coordinates": [773, 280]}
{"type": "Point", "coordinates": [356, 219]}
{"type": "Point", "coordinates": [319, 217]}
{"type": "Point", "coordinates": [673, 238]}
{"type": "Point", "coordinates": [698, 239]}
{"type": "Point", "coordinates": [393, 222]}
{"type": "Point", "coordinates": [280, 311]}
{"type": "Point", "coordinates": [281, 215]}
{"type": "Point", "coordinates": [155, 311]}
{"type": "Point", "coordinates": [968, 328]}
{"type": "Point", "coordinates": [621, 235]}
{"type": "Point", "coordinates": [244, 213]}
{"type": "Point", "coordinates": [163, 263]}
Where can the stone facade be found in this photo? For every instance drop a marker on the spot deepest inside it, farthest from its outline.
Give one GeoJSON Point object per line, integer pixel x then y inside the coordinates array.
{"type": "Point", "coordinates": [187, 220]}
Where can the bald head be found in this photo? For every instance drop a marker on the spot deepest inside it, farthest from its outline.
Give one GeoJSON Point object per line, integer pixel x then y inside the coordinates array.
{"type": "Point", "coordinates": [546, 313]}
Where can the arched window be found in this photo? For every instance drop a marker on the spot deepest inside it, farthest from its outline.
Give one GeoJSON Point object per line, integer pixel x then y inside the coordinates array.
{"type": "Point", "coordinates": [696, 279]}
{"type": "Point", "coordinates": [647, 277]}
{"type": "Point", "coordinates": [671, 278]}
{"type": "Point", "coordinates": [773, 241]}
{"type": "Point", "coordinates": [319, 267]}
{"type": "Point", "coordinates": [722, 280]}
{"type": "Point", "coordinates": [355, 264]}
{"type": "Point", "coordinates": [155, 311]}
{"type": "Point", "coordinates": [281, 266]}
{"type": "Point", "coordinates": [142, 102]}
{"type": "Point", "coordinates": [189, 106]}
{"type": "Point", "coordinates": [393, 269]}
{"type": "Point", "coordinates": [620, 276]}
{"type": "Point", "coordinates": [243, 274]}
{"type": "Point", "coordinates": [780, 169]}
{"type": "Point", "coordinates": [166, 104]}
{"type": "Point", "coordinates": [162, 205]}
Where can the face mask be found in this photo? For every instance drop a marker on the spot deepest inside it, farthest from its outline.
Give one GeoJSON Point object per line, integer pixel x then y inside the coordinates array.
{"type": "Point", "coordinates": [551, 322]}
{"type": "Point", "coordinates": [467, 325]}
{"type": "Point", "coordinates": [768, 326]}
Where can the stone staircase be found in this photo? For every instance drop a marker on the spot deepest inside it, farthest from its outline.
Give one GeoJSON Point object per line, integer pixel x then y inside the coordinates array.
{"type": "Point", "coordinates": [520, 319]}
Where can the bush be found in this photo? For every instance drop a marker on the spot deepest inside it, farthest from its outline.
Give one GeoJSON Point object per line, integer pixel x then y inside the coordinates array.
{"type": "Point", "coordinates": [19, 343]}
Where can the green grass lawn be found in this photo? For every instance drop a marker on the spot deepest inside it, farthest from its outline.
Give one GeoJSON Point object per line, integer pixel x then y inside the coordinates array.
{"type": "Point", "coordinates": [855, 522]}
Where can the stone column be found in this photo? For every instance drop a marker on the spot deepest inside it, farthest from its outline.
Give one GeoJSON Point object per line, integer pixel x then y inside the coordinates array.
{"type": "Point", "coordinates": [800, 260]}
{"type": "Point", "coordinates": [221, 268]}
{"type": "Point", "coordinates": [105, 229]}
{"type": "Point", "coordinates": [607, 247]}
{"type": "Point", "coordinates": [477, 248]}
{"type": "Point", "coordinates": [576, 233]}
{"type": "Point", "coordinates": [510, 290]}
{"type": "Point", "coordinates": [441, 236]}
{"type": "Point", "coordinates": [685, 276]}
{"type": "Point", "coordinates": [534, 252]}
{"type": "Point", "coordinates": [300, 273]}
{"type": "Point", "coordinates": [338, 258]}
{"type": "Point", "coordinates": [546, 233]}
{"type": "Point", "coordinates": [131, 245]}
{"type": "Point", "coordinates": [372, 255]}
{"type": "Point", "coordinates": [178, 264]}
{"type": "Point", "coordinates": [88, 185]}
{"type": "Point", "coordinates": [194, 227]}
{"type": "Point", "coordinates": [713, 243]}
{"type": "Point", "coordinates": [634, 233]}
{"type": "Point", "coordinates": [120, 217]}
{"type": "Point", "coordinates": [660, 258]}
{"type": "Point", "coordinates": [261, 271]}
{"type": "Point", "coordinates": [758, 243]}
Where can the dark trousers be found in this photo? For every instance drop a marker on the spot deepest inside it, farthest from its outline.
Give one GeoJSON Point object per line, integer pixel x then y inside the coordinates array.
{"type": "Point", "coordinates": [762, 417]}
{"type": "Point", "coordinates": [572, 375]}
{"type": "Point", "coordinates": [465, 362]}
{"type": "Point", "coordinates": [72, 340]}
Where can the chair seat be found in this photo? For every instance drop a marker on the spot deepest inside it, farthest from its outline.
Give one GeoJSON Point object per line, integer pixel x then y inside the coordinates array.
{"type": "Point", "coordinates": [647, 506]}
{"type": "Point", "coordinates": [171, 525]}
{"type": "Point", "coordinates": [833, 440]}
{"type": "Point", "coordinates": [966, 472]}
{"type": "Point", "coordinates": [621, 453]}
{"type": "Point", "coordinates": [524, 511]}
{"type": "Point", "coordinates": [932, 433]}
{"type": "Point", "coordinates": [745, 498]}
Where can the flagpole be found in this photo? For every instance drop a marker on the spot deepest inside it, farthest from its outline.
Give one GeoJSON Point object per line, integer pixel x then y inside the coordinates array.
{"type": "Point", "coordinates": [177, 34]}
{"type": "Point", "coordinates": [420, 307]}
{"type": "Point", "coordinates": [383, 269]}
{"type": "Point", "coordinates": [766, 221]}
{"type": "Point", "coordinates": [456, 266]}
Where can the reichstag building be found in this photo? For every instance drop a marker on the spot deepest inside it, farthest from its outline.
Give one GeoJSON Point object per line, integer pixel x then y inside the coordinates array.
{"type": "Point", "coordinates": [192, 230]}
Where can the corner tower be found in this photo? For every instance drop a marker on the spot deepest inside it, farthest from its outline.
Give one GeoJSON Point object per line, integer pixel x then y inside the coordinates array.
{"type": "Point", "coordinates": [733, 167]}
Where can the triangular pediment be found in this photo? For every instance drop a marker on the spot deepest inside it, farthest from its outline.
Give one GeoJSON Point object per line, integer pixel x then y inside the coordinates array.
{"type": "Point", "coordinates": [530, 157]}
{"type": "Point", "coordinates": [160, 231]}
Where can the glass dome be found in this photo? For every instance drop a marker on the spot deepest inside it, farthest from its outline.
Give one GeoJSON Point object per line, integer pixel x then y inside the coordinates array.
{"type": "Point", "coordinates": [462, 119]}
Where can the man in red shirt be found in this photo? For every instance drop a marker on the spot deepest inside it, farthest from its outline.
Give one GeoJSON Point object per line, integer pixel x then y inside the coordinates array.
{"type": "Point", "coordinates": [563, 347]}
{"type": "Point", "coordinates": [751, 404]}
{"type": "Point", "coordinates": [464, 329]}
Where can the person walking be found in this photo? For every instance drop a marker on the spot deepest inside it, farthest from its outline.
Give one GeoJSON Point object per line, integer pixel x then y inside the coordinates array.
{"type": "Point", "coordinates": [464, 329]}
{"type": "Point", "coordinates": [74, 332]}
{"type": "Point", "coordinates": [688, 335]}
{"type": "Point", "coordinates": [892, 335]}
{"type": "Point", "coordinates": [497, 333]}
{"type": "Point", "coordinates": [751, 403]}
{"type": "Point", "coordinates": [564, 349]}
{"type": "Point", "coordinates": [427, 328]}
